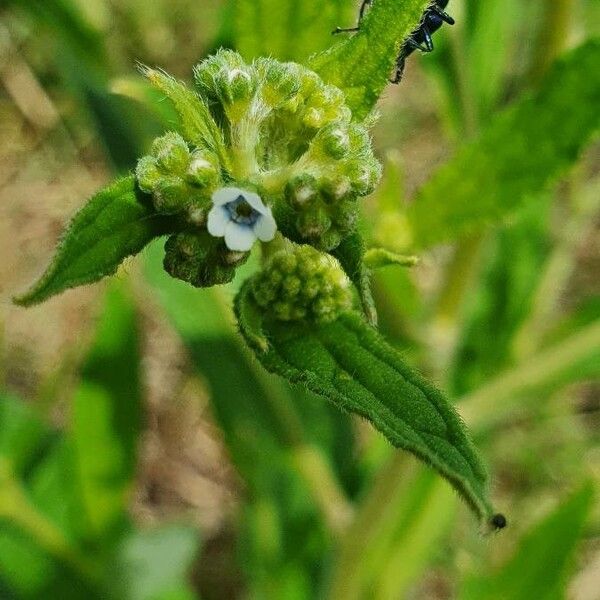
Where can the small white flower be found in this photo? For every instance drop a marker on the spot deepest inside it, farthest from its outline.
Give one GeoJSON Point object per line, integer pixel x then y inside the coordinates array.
{"type": "Point", "coordinates": [241, 218]}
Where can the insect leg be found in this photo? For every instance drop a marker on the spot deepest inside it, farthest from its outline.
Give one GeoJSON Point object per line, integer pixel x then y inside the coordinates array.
{"type": "Point", "coordinates": [361, 14]}
{"type": "Point", "coordinates": [443, 15]}
{"type": "Point", "coordinates": [363, 7]}
{"type": "Point", "coordinates": [345, 30]}
{"type": "Point", "coordinates": [426, 46]}
{"type": "Point", "coordinates": [400, 63]}
{"type": "Point", "coordinates": [427, 39]}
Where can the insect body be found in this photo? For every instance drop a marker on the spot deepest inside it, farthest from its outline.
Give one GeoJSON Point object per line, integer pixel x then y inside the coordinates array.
{"type": "Point", "coordinates": [420, 39]}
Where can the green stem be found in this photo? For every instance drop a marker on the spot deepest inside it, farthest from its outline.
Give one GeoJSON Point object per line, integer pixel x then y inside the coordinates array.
{"type": "Point", "coordinates": [313, 466]}
{"type": "Point", "coordinates": [553, 34]}
{"type": "Point", "coordinates": [557, 271]}
{"type": "Point", "coordinates": [16, 506]}
{"type": "Point", "coordinates": [495, 400]}
{"type": "Point", "coordinates": [369, 524]}
{"type": "Point", "coordinates": [445, 323]}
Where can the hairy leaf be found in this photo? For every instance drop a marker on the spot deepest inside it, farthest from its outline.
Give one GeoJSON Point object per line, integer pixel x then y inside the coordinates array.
{"type": "Point", "coordinates": [350, 364]}
{"type": "Point", "coordinates": [361, 64]}
{"type": "Point", "coordinates": [539, 567]}
{"type": "Point", "coordinates": [522, 151]}
{"type": "Point", "coordinates": [116, 223]}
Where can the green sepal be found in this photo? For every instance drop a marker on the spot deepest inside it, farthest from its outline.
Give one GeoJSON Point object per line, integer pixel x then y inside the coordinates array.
{"type": "Point", "coordinates": [351, 254]}
{"type": "Point", "coordinates": [350, 364]}
{"type": "Point", "coordinates": [196, 124]}
{"type": "Point", "coordinates": [116, 223]}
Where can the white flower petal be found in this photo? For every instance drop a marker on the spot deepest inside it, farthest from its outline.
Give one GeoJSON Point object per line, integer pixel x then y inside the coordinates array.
{"type": "Point", "coordinates": [218, 218]}
{"type": "Point", "coordinates": [226, 194]}
{"type": "Point", "coordinates": [239, 237]}
{"type": "Point", "coordinates": [255, 201]}
{"type": "Point", "coordinates": [265, 227]}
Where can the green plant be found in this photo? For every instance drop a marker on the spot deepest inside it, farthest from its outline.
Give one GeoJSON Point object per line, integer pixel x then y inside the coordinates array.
{"type": "Point", "coordinates": [271, 138]}
{"type": "Point", "coordinates": [327, 512]}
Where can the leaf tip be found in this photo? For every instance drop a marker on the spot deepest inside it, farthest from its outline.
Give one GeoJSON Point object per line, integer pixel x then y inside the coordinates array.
{"type": "Point", "coordinates": [22, 300]}
{"type": "Point", "coordinates": [498, 522]}
{"type": "Point", "coordinates": [31, 296]}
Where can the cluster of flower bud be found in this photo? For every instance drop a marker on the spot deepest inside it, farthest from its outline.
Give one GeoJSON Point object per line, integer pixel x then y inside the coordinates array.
{"type": "Point", "coordinates": [262, 146]}
{"type": "Point", "coordinates": [176, 177]}
{"type": "Point", "coordinates": [302, 284]}
{"type": "Point", "coordinates": [336, 170]}
{"type": "Point", "coordinates": [231, 86]}
{"type": "Point", "coordinates": [201, 259]}
{"type": "Point", "coordinates": [305, 148]}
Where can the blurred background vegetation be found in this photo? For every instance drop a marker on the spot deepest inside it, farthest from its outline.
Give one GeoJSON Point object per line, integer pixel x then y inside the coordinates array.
{"type": "Point", "coordinates": [145, 455]}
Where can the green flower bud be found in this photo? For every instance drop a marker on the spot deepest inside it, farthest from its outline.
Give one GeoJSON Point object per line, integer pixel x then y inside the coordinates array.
{"type": "Point", "coordinates": [235, 85]}
{"type": "Point", "coordinates": [309, 82]}
{"type": "Point", "coordinates": [330, 239]}
{"type": "Point", "coordinates": [171, 152]}
{"type": "Point", "coordinates": [147, 174]}
{"type": "Point", "coordinates": [301, 190]}
{"type": "Point", "coordinates": [207, 73]}
{"type": "Point", "coordinates": [281, 81]}
{"type": "Point", "coordinates": [311, 286]}
{"type": "Point", "coordinates": [363, 174]}
{"type": "Point", "coordinates": [201, 171]}
{"type": "Point", "coordinates": [314, 222]}
{"type": "Point", "coordinates": [171, 195]}
{"type": "Point", "coordinates": [200, 259]}
{"type": "Point", "coordinates": [344, 214]}
{"type": "Point", "coordinates": [314, 117]}
{"type": "Point", "coordinates": [334, 141]}
{"type": "Point", "coordinates": [176, 178]}
{"type": "Point", "coordinates": [335, 190]}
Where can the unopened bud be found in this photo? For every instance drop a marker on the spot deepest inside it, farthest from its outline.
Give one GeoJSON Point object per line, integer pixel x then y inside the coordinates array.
{"type": "Point", "coordinates": [316, 289]}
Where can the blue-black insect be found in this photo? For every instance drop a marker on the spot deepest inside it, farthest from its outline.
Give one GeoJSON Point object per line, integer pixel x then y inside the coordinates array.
{"type": "Point", "coordinates": [420, 39]}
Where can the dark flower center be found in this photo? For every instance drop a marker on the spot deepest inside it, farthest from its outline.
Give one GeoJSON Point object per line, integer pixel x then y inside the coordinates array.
{"type": "Point", "coordinates": [241, 212]}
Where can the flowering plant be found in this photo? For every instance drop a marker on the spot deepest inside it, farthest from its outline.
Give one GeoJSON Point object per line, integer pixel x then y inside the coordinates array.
{"type": "Point", "coordinates": [278, 155]}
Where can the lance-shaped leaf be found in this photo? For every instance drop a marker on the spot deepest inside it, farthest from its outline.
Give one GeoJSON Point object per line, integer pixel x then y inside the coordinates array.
{"type": "Point", "coordinates": [350, 364]}
{"type": "Point", "coordinates": [361, 64]}
{"type": "Point", "coordinates": [523, 151]}
{"type": "Point", "coordinates": [116, 223]}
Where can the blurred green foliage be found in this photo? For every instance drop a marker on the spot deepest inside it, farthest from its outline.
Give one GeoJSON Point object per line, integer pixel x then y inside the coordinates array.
{"type": "Point", "coordinates": [503, 323]}
{"type": "Point", "coordinates": [64, 496]}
